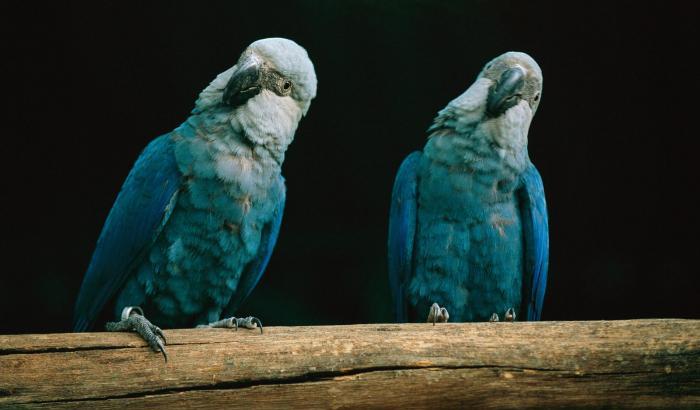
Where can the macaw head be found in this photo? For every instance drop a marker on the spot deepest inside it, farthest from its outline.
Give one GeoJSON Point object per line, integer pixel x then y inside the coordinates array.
{"type": "Point", "coordinates": [264, 96]}
{"type": "Point", "coordinates": [498, 106]}
{"type": "Point", "coordinates": [515, 79]}
{"type": "Point", "coordinates": [276, 66]}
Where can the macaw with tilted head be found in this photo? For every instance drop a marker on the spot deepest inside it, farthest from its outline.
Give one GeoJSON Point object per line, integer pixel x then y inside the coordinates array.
{"type": "Point", "coordinates": [196, 221]}
{"type": "Point", "coordinates": [468, 224]}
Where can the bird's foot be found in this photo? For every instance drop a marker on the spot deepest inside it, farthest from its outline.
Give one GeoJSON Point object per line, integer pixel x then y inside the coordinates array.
{"type": "Point", "coordinates": [437, 314]}
{"type": "Point", "coordinates": [249, 322]}
{"type": "Point", "coordinates": [133, 320]}
{"type": "Point", "coordinates": [510, 315]}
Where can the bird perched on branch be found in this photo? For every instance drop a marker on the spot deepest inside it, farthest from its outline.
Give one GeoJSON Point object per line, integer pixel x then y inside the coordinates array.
{"type": "Point", "coordinates": [196, 220]}
{"type": "Point", "coordinates": [468, 223]}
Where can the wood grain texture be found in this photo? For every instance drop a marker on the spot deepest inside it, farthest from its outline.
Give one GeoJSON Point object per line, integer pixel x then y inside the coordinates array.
{"type": "Point", "coordinates": [620, 364]}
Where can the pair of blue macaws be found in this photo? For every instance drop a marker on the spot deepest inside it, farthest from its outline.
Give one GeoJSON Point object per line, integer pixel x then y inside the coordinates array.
{"type": "Point", "coordinates": [197, 218]}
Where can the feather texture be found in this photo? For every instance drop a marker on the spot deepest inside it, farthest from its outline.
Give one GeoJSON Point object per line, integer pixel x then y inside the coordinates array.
{"type": "Point", "coordinates": [140, 211]}
{"type": "Point", "coordinates": [402, 230]}
{"type": "Point", "coordinates": [198, 217]}
{"type": "Point", "coordinates": [468, 222]}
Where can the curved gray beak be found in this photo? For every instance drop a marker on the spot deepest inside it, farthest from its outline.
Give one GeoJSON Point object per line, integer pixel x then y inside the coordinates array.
{"type": "Point", "coordinates": [244, 83]}
{"type": "Point", "coordinates": [506, 91]}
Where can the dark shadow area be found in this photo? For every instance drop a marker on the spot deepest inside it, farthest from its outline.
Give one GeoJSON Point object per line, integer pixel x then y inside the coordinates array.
{"type": "Point", "coordinates": [615, 139]}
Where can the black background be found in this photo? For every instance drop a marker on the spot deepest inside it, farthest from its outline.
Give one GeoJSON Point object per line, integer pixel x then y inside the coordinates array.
{"type": "Point", "coordinates": [615, 139]}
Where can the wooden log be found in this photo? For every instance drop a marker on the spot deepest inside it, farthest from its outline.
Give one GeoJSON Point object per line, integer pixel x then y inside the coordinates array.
{"type": "Point", "coordinates": [619, 364]}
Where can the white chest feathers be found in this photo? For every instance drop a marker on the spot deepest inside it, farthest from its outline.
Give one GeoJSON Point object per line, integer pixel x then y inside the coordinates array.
{"type": "Point", "coordinates": [236, 169]}
{"type": "Point", "coordinates": [268, 120]}
{"type": "Point", "coordinates": [509, 131]}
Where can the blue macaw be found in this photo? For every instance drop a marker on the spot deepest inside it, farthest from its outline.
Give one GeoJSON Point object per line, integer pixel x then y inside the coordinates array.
{"type": "Point", "coordinates": [196, 220]}
{"type": "Point", "coordinates": [468, 223]}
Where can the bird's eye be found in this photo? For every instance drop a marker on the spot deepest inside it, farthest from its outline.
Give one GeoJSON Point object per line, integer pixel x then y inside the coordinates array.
{"type": "Point", "coordinates": [537, 97]}
{"type": "Point", "coordinates": [286, 85]}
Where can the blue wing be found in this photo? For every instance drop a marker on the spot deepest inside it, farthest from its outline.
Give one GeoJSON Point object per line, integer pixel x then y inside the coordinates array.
{"type": "Point", "coordinates": [402, 230]}
{"type": "Point", "coordinates": [137, 217]}
{"type": "Point", "coordinates": [255, 268]}
{"type": "Point", "coordinates": [533, 212]}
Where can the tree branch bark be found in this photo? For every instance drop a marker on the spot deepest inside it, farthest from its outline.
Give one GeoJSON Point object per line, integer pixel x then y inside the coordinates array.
{"type": "Point", "coordinates": [622, 364]}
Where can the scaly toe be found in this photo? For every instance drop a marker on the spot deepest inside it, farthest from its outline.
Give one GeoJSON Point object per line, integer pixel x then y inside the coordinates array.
{"type": "Point", "coordinates": [510, 315]}
{"type": "Point", "coordinates": [437, 314]}
{"type": "Point", "coordinates": [250, 322]}
{"type": "Point", "coordinates": [134, 321]}
{"type": "Point", "coordinates": [444, 315]}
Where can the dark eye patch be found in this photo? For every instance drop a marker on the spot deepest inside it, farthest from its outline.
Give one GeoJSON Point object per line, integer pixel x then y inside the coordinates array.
{"type": "Point", "coordinates": [276, 82]}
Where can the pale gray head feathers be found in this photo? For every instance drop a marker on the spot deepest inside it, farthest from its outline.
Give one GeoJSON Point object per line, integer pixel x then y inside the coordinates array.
{"type": "Point", "coordinates": [272, 65]}
{"type": "Point", "coordinates": [515, 77]}
{"type": "Point", "coordinates": [496, 110]}
{"type": "Point", "coordinates": [292, 61]}
{"type": "Point", "coordinates": [508, 86]}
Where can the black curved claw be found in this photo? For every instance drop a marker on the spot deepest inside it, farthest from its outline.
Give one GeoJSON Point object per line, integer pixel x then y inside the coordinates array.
{"type": "Point", "coordinates": [162, 349]}
{"type": "Point", "coordinates": [258, 322]}
{"type": "Point", "coordinates": [136, 322]}
{"type": "Point", "coordinates": [160, 334]}
{"type": "Point", "coordinates": [434, 312]}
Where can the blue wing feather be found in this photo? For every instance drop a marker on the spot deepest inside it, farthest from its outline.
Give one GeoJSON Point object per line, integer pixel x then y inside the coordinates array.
{"type": "Point", "coordinates": [255, 268]}
{"type": "Point", "coordinates": [402, 230]}
{"type": "Point", "coordinates": [533, 211]}
{"type": "Point", "coordinates": [137, 217]}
